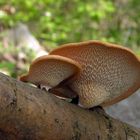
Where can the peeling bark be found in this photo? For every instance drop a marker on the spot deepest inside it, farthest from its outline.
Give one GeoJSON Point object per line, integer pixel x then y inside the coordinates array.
{"type": "Point", "coordinates": [28, 113]}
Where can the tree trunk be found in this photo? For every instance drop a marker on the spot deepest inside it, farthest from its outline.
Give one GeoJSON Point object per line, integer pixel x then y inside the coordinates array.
{"type": "Point", "coordinates": [28, 113]}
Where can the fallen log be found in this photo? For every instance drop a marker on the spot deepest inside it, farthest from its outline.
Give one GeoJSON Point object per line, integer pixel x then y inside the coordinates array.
{"type": "Point", "coordinates": [28, 113]}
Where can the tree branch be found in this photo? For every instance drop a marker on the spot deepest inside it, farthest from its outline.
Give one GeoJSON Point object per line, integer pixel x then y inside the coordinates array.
{"type": "Point", "coordinates": [28, 113]}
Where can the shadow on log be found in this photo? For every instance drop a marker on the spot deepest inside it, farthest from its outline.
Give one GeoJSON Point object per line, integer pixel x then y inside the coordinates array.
{"type": "Point", "coordinates": [28, 113]}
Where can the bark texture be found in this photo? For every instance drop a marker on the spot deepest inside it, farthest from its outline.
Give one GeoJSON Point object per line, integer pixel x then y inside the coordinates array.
{"type": "Point", "coordinates": [28, 113]}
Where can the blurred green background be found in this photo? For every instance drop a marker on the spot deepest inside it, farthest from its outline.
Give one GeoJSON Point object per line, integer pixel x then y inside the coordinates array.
{"type": "Point", "coordinates": [58, 22]}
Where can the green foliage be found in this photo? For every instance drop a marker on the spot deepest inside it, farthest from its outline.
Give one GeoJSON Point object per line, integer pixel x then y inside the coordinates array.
{"type": "Point", "coordinates": [58, 22]}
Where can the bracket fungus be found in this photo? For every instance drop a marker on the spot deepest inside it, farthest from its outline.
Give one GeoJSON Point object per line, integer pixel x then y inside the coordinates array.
{"type": "Point", "coordinates": [99, 73]}
{"type": "Point", "coordinates": [50, 71]}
